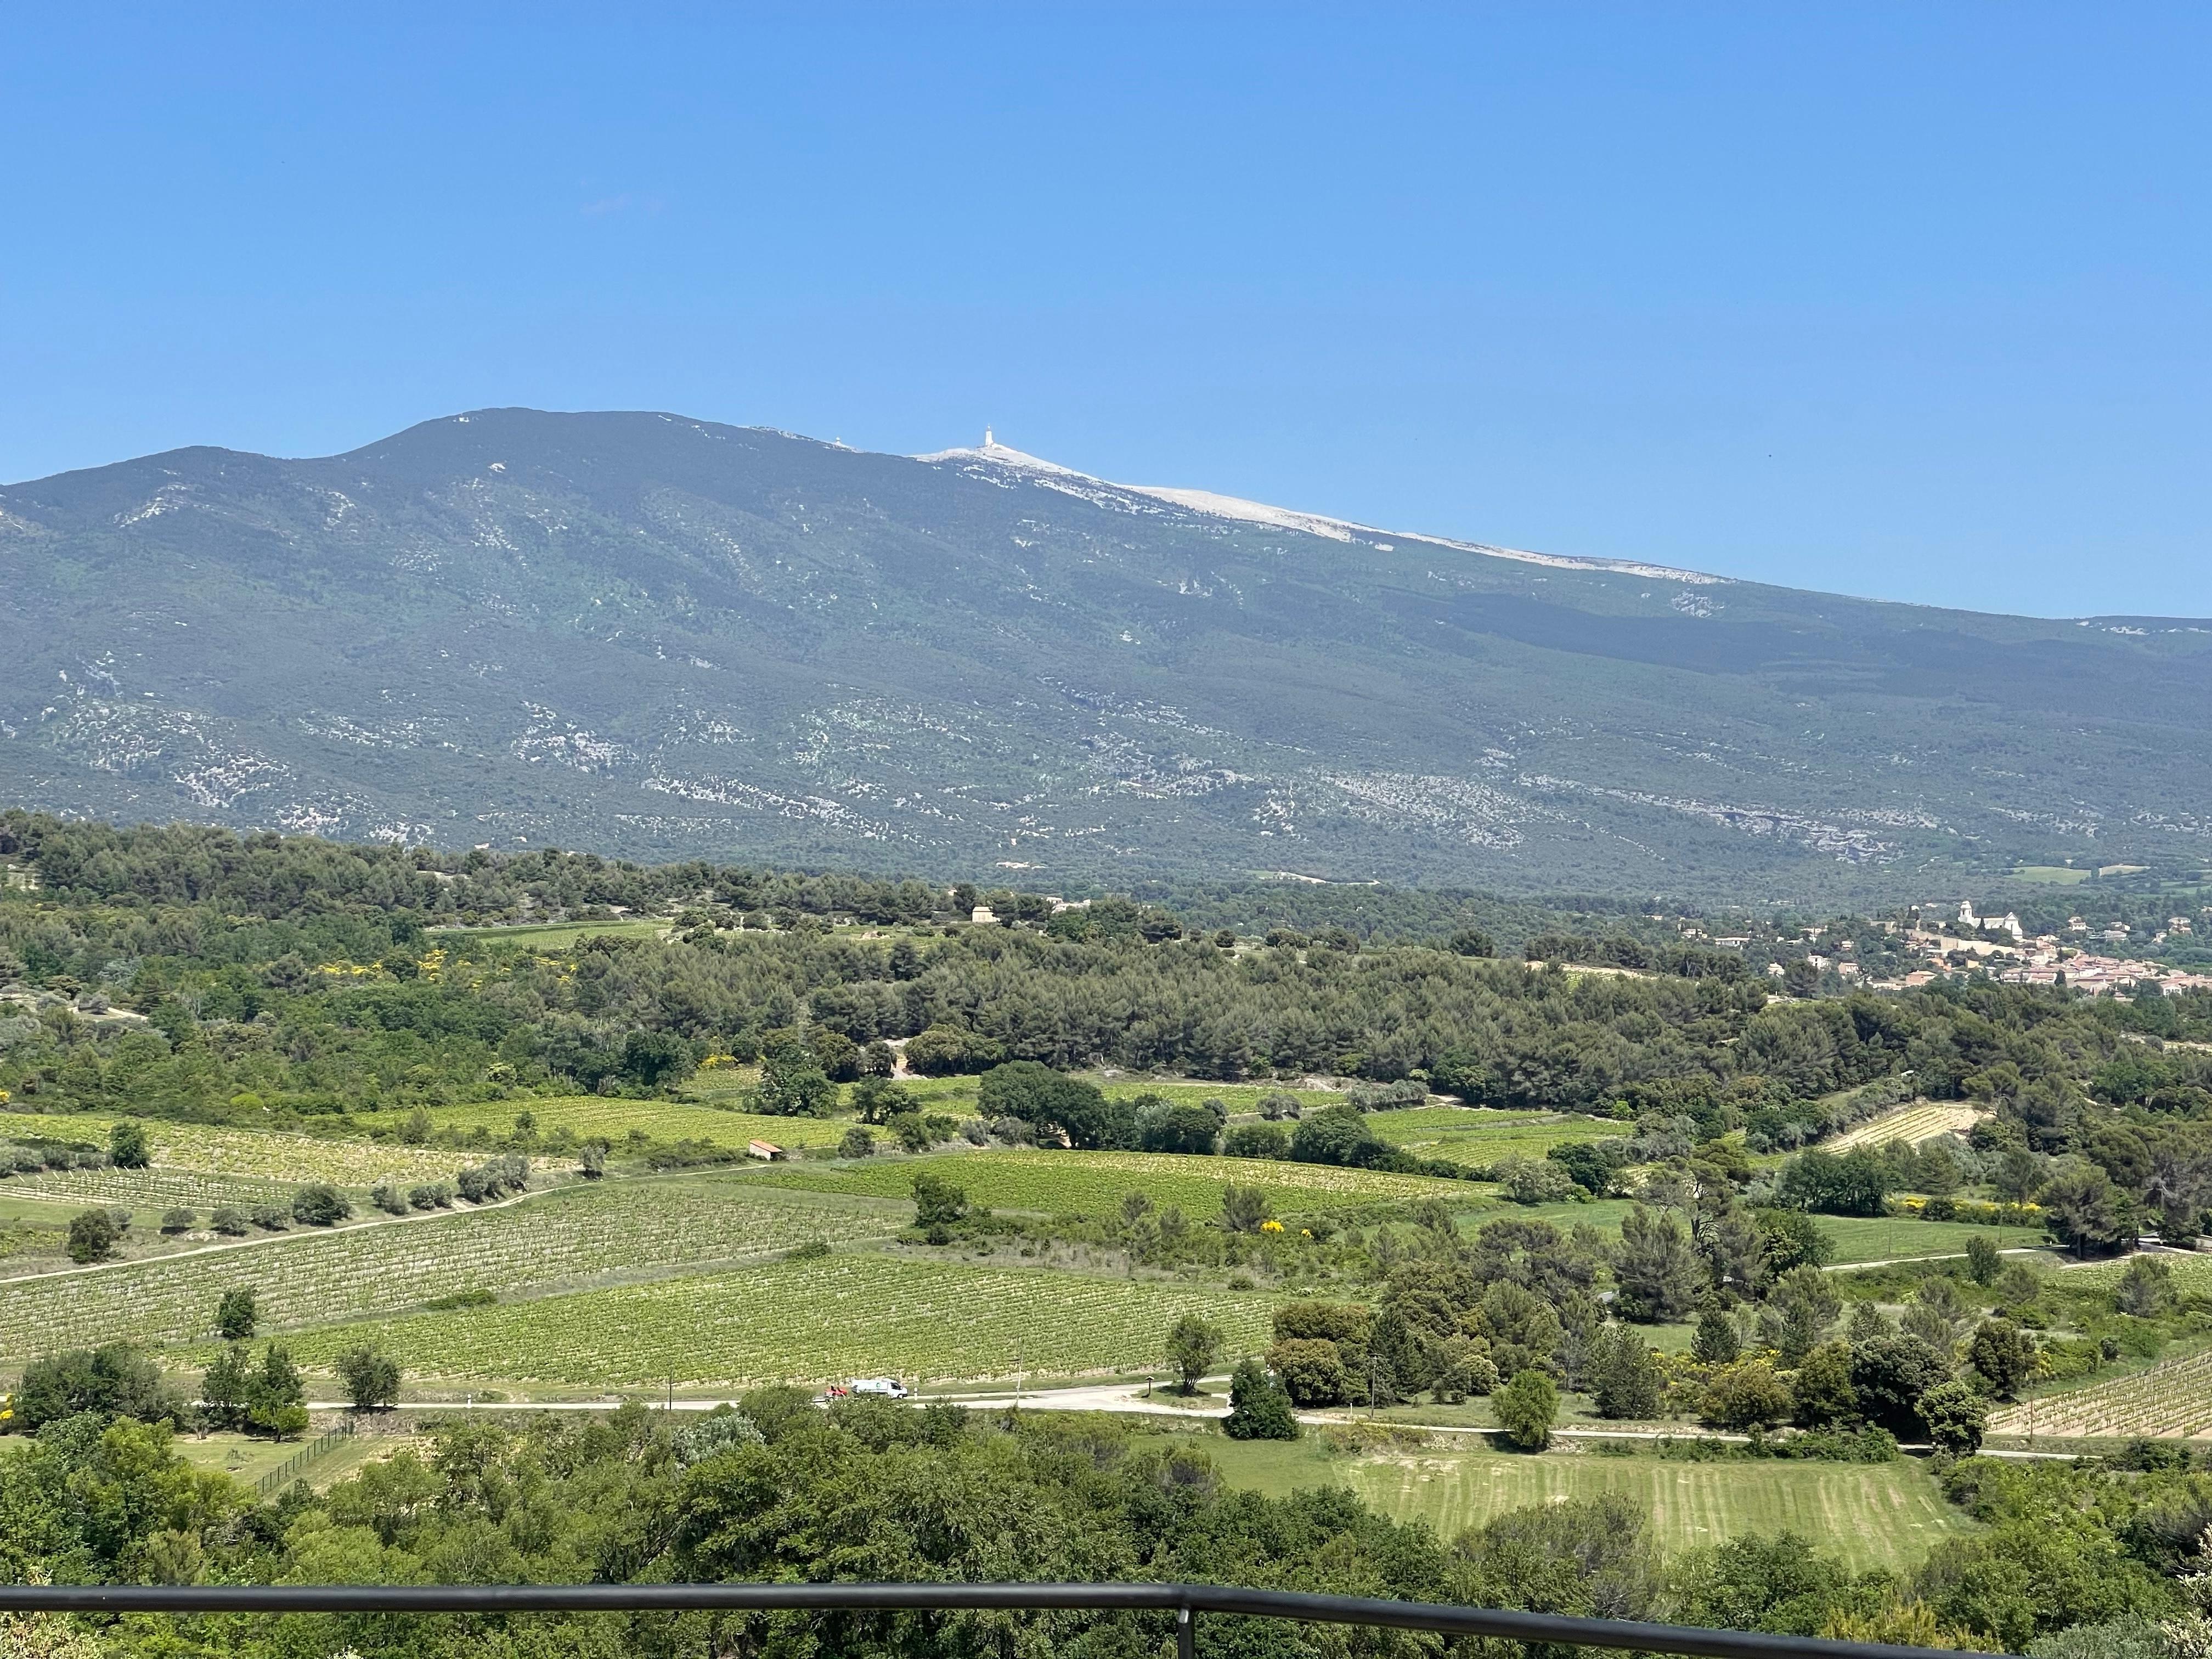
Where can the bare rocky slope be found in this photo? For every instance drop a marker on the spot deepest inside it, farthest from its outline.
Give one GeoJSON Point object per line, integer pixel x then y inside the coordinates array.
{"type": "Point", "coordinates": [661, 637]}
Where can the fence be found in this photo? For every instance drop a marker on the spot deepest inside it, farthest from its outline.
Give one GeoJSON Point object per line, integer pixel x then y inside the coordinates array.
{"type": "Point", "coordinates": [1184, 1603]}
{"type": "Point", "coordinates": [296, 1465]}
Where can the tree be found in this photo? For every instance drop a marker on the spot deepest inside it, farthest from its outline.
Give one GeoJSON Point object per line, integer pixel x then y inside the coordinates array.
{"type": "Point", "coordinates": [1821, 1392]}
{"type": "Point", "coordinates": [1655, 1267]}
{"type": "Point", "coordinates": [1244, 1209]}
{"type": "Point", "coordinates": [2084, 1211]}
{"type": "Point", "coordinates": [1336, 1135]}
{"type": "Point", "coordinates": [1526, 1408]}
{"type": "Point", "coordinates": [1471, 942]}
{"type": "Point", "coordinates": [857, 1143]}
{"type": "Point", "coordinates": [2002, 1355]}
{"type": "Point", "coordinates": [1791, 1238]}
{"type": "Point", "coordinates": [1259, 1405]}
{"type": "Point", "coordinates": [93, 1236]}
{"type": "Point", "coordinates": [1255, 1140]}
{"type": "Point", "coordinates": [1746, 1395]}
{"type": "Point", "coordinates": [126, 1146]}
{"type": "Point", "coordinates": [370, 1378]}
{"type": "Point", "coordinates": [1955, 1417]}
{"type": "Point", "coordinates": [236, 1314]}
{"type": "Point", "coordinates": [1716, 1342]}
{"type": "Point", "coordinates": [1311, 1370]}
{"type": "Point", "coordinates": [115, 1381]}
{"type": "Point", "coordinates": [1624, 1376]}
{"type": "Point", "coordinates": [837, 1055]}
{"type": "Point", "coordinates": [226, 1388]}
{"type": "Point", "coordinates": [1889, 1374]}
{"type": "Point", "coordinates": [938, 1204]}
{"type": "Point", "coordinates": [1982, 1260]}
{"type": "Point", "coordinates": [275, 1397]}
{"type": "Point", "coordinates": [792, 1083]}
{"type": "Point", "coordinates": [1193, 1346]}
{"type": "Point", "coordinates": [1180, 1128]}
{"type": "Point", "coordinates": [878, 1099]}
{"type": "Point", "coordinates": [656, 1060]}
{"type": "Point", "coordinates": [1854, 1184]}
{"type": "Point", "coordinates": [320, 1205]}
{"type": "Point", "coordinates": [2145, 1288]}
{"type": "Point", "coordinates": [1800, 1310]}
{"type": "Point", "coordinates": [1587, 1165]}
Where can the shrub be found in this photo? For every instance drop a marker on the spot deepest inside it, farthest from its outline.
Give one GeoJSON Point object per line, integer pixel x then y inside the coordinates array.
{"type": "Point", "coordinates": [1256, 1140]}
{"type": "Point", "coordinates": [230, 1222]}
{"type": "Point", "coordinates": [432, 1196]}
{"type": "Point", "coordinates": [126, 1146]}
{"type": "Point", "coordinates": [1746, 1395]}
{"type": "Point", "coordinates": [270, 1217]}
{"type": "Point", "coordinates": [179, 1220]}
{"type": "Point", "coordinates": [857, 1143]}
{"type": "Point", "coordinates": [387, 1197]}
{"type": "Point", "coordinates": [93, 1236]}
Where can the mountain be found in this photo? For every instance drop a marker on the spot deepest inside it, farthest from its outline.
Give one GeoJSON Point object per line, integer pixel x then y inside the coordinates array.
{"type": "Point", "coordinates": [660, 637]}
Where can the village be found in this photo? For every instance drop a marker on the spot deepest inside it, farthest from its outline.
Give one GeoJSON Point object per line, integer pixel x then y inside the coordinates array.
{"type": "Point", "coordinates": [1999, 945]}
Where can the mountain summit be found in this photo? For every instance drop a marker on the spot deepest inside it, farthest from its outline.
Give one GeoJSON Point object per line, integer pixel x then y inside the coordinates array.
{"type": "Point", "coordinates": [660, 636]}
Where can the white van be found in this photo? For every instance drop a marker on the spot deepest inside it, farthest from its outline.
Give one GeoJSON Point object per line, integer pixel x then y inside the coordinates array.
{"type": "Point", "coordinates": [883, 1388]}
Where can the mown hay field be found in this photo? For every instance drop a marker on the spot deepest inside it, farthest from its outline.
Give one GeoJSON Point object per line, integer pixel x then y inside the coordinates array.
{"type": "Point", "coordinates": [1877, 1515]}
{"type": "Point", "coordinates": [848, 1315]}
{"type": "Point", "coordinates": [611, 1119]}
{"type": "Point", "coordinates": [1093, 1184]}
{"type": "Point", "coordinates": [568, 1236]}
{"type": "Point", "coordinates": [257, 1154]}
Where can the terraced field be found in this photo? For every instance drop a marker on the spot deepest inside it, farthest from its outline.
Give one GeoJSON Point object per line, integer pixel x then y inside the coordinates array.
{"type": "Point", "coordinates": [2170, 1401]}
{"type": "Point", "coordinates": [569, 1236]}
{"type": "Point", "coordinates": [1880, 1515]}
{"type": "Point", "coordinates": [810, 1322]}
{"type": "Point", "coordinates": [208, 1150]}
{"type": "Point", "coordinates": [1092, 1183]}
{"type": "Point", "coordinates": [1924, 1119]}
{"type": "Point", "coordinates": [591, 1115]}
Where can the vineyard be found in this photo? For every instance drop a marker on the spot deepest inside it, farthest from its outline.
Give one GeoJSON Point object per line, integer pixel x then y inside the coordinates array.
{"type": "Point", "coordinates": [2171, 1399]}
{"type": "Point", "coordinates": [1924, 1119]}
{"type": "Point", "coordinates": [265, 1154]}
{"type": "Point", "coordinates": [2192, 1272]}
{"type": "Point", "coordinates": [811, 1322]}
{"type": "Point", "coordinates": [143, 1192]}
{"type": "Point", "coordinates": [572, 1234]}
{"type": "Point", "coordinates": [1092, 1183]}
{"type": "Point", "coordinates": [595, 1117]}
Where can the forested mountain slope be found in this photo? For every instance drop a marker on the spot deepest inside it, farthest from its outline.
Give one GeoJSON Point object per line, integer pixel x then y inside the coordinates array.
{"type": "Point", "coordinates": [660, 637]}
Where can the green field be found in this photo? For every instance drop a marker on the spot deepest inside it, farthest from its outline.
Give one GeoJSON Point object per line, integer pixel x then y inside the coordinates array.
{"type": "Point", "coordinates": [569, 1236]}
{"type": "Point", "coordinates": [2050, 875]}
{"type": "Point", "coordinates": [1092, 1183]}
{"type": "Point", "coordinates": [258, 1155]}
{"type": "Point", "coordinates": [596, 1115]}
{"type": "Point", "coordinates": [552, 935]}
{"type": "Point", "coordinates": [1880, 1239]}
{"type": "Point", "coordinates": [811, 1322]}
{"type": "Point", "coordinates": [1475, 1136]}
{"type": "Point", "coordinates": [1878, 1515]}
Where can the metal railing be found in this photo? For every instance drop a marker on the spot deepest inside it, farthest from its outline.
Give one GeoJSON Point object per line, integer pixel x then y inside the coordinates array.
{"type": "Point", "coordinates": [1185, 1601]}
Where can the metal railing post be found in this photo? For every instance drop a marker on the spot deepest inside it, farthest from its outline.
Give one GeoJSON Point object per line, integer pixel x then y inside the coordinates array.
{"type": "Point", "coordinates": [1186, 1631]}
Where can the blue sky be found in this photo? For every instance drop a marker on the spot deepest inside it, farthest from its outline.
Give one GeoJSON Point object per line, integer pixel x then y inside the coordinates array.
{"type": "Point", "coordinates": [1904, 301]}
